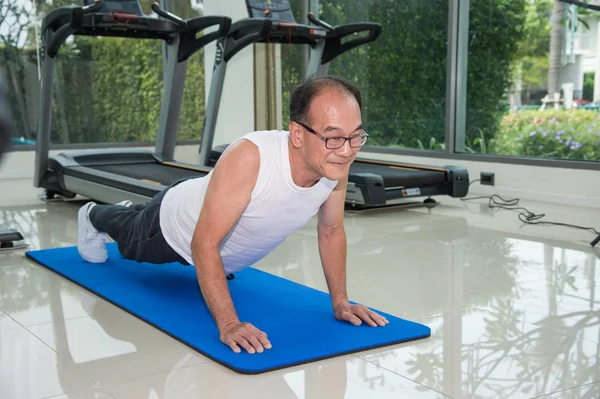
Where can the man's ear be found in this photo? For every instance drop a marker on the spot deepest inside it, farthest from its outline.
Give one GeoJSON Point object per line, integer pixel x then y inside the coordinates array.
{"type": "Point", "coordinates": [296, 134]}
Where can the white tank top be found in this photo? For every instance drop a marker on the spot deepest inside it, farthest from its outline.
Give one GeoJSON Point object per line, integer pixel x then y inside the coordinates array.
{"type": "Point", "coordinates": [278, 207]}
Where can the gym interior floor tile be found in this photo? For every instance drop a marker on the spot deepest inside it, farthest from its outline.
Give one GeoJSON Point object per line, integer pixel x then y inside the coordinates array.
{"type": "Point", "coordinates": [513, 309]}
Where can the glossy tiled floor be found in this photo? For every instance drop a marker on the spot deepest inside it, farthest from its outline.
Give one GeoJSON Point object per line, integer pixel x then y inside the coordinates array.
{"type": "Point", "coordinates": [513, 311]}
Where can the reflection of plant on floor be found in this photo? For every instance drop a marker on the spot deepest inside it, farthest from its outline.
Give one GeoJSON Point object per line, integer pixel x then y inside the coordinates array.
{"type": "Point", "coordinates": [541, 357]}
{"type": "Point", "coordinates": [483, 255]}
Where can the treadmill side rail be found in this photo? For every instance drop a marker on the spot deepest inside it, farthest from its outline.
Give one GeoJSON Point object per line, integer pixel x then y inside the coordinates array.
{"type": "Point", "coordinates": [369, 190]}
{"type": "Point", "coordinates": [365, 189]}
{"type": "Point", "coordinates": [458, 179]}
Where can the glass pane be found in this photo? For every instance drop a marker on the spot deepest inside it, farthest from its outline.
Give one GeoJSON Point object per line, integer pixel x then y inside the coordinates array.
{"type": "Point", "coordinates": [512, 54]}
{"type": "Point", "coordinates": [105, 90]}
{"type": "Point", "coordinates": [402, 76]}
{"type": "Point", "coordinates": [292, 65]}
{"type": "Point", "coordinates": [18, 68]}
{"type": "Point", "coordinates": [193, 104]}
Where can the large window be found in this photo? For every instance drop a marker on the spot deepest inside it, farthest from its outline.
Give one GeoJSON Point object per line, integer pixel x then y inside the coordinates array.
{"type": "Point", "coordinates": [105, 90]}
{"type": "Point", "coordinates": [520, 53]}
{"type": "Point", "coordinates": [510, 77]}
{"type": "Point", "coordinates": [402, 76]}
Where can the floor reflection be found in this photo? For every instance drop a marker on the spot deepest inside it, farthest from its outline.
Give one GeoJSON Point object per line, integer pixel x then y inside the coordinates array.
{"type": "Point", "coordinates": [513, 314]}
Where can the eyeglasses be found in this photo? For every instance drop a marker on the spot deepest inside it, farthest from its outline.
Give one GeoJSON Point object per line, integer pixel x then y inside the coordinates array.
{"type": "Point", "coordinates": [333, 143]}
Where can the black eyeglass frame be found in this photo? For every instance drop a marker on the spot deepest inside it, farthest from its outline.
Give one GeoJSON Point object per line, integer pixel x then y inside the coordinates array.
{"type": "Point", "coordinates": [362, 134]}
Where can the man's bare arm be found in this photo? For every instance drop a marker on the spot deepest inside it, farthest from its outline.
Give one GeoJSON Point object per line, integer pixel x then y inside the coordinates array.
{"type": "Point", "coordinates": [228, 194]}
{"type": "Point", "coordinates": [332, 243]}
{"type": "Point", "coordinates": [333, 251]}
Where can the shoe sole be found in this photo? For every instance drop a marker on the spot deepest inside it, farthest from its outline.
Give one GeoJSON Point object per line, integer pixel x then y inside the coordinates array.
{"type": "Point", "coordinates": [82, 218]}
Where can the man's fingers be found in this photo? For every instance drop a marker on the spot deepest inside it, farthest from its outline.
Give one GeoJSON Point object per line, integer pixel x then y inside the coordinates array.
{"type": "Point", "coordinates": [363, 313]}
{"type": "Point", "coordinates": [379, 319]}
{"type": "Point", "coordinates": [243, 342]}
{"type": "Point", "coordinates": [351, 318]}
{"type": "Point", "coordinates": [234, 347]}
{"type": "Point", "coordinates": [246, 336]}
{"type": "Point", "coordinates": [253, 340]}
{"type": "Point", "coordinates": [262, 338]}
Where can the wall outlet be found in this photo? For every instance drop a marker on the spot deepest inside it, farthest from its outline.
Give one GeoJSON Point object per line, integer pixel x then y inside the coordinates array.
{"type": "Point", "coordinates": [487, 178]}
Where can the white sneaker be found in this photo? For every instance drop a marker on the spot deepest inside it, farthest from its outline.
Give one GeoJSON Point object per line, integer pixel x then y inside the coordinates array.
{"type": "Point", "coordinates": [91, 243]}
{"type": "Point", "coordinates": [125, 203]}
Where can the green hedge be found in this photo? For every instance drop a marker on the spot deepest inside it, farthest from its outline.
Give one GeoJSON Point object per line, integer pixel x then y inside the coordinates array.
{"type": "Point", "coordinates": [105, 90]}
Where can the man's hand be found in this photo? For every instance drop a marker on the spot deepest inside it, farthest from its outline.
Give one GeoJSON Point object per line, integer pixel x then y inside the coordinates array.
{"type": "Point", "coordinates": [356, 314]}
{"type": "Point", "coordinates": [247, 336]}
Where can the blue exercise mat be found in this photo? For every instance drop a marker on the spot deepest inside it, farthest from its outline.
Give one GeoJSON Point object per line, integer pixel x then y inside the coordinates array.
{"type": "Point", "coordinates": [297, 319]}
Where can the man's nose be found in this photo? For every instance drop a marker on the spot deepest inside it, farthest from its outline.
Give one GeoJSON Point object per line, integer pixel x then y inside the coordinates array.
{"type": "Point", "coordinates": [345, 149]}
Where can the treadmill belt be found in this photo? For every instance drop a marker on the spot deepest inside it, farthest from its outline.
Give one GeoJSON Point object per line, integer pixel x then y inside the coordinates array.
{"type": "Point", "coordinates": [400, 177]}
{"type": "Point", "coordinates": [150, 172]}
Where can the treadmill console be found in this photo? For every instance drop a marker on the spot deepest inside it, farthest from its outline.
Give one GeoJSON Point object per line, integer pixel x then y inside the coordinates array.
{"type": "Point", "coordinates": [122, 6]}
{"type": "Point", "coordinates": [277, 10]}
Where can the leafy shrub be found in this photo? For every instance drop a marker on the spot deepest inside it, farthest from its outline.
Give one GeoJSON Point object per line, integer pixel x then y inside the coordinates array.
{"type": "Point", "coordinates": [563, 134]}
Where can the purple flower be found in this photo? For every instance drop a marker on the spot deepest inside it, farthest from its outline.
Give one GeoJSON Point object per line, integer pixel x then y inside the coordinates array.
{"type": "Point", "coordinates": [540, 147]}
{"type": "Point", "coordinates": [560, 132]}
{"type": "Point", "coordinates": [568, 143]}
{"type": "Point", "coordinates": [544, 133]}
{"type": "Point", "coordinates": [572, 147]}
{"type": "Point", "coordinates": [532, 133]}
{"type": "Point", "coordinates": [594, 124]}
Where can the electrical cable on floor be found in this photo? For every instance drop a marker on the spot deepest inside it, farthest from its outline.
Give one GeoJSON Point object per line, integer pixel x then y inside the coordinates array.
{"type": "Point", "coordinates": [526, 216]}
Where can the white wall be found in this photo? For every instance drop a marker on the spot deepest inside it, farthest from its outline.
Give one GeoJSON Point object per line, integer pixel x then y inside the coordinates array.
{"type": "Point", "coordinates": [547, 184]}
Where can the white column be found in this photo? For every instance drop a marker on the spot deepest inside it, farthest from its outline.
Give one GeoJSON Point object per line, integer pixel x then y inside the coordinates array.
{"type": "Point", "coordinates": [236, 113]}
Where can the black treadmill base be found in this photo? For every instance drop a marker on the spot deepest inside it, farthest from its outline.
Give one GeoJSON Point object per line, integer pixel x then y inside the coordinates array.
{"type": "Point", "coordinates": [427, 203]}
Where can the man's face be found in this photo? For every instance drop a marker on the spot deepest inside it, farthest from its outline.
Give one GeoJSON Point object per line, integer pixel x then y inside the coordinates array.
{"type": "Point", "coordinates": [332, 114]}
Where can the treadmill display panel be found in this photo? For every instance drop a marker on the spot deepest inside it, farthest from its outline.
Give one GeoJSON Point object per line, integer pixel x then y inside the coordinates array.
{"type": "Point", "coordinates": [124, 6]}
{"type": "Point", "coordinates": [278, 10]}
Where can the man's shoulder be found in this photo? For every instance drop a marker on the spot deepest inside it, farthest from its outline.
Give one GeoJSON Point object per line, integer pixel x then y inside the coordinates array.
{"type": "Point", "coordinates": [268, 135]}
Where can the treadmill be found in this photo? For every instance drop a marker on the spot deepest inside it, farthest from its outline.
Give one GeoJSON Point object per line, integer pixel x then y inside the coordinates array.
{"type": "Point", "coordinates": [372, 183]}
{"type": "Point", "coordinates": [113, 175]}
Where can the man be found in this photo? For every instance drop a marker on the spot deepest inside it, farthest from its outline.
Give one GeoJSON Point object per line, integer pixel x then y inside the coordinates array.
{"type": "Point", "coordinates": [265, 186]}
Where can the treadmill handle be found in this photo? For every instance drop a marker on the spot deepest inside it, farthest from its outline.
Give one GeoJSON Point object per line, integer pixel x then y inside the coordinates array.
{"type": "Point", "coordinates": [334, 46]}
{"type": "Point", "coordinates": [167, 15]}
{"type": "Point", "coordinates": [254, 30]}
{"type": "Point", "coordinates": [97, 5]}
{"type": "Point", "coordinates": [313, 18]}
{"type": "Point", "coordinates": [194, 26]}
{"type": "Point", "coordinates": [61, 35]}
